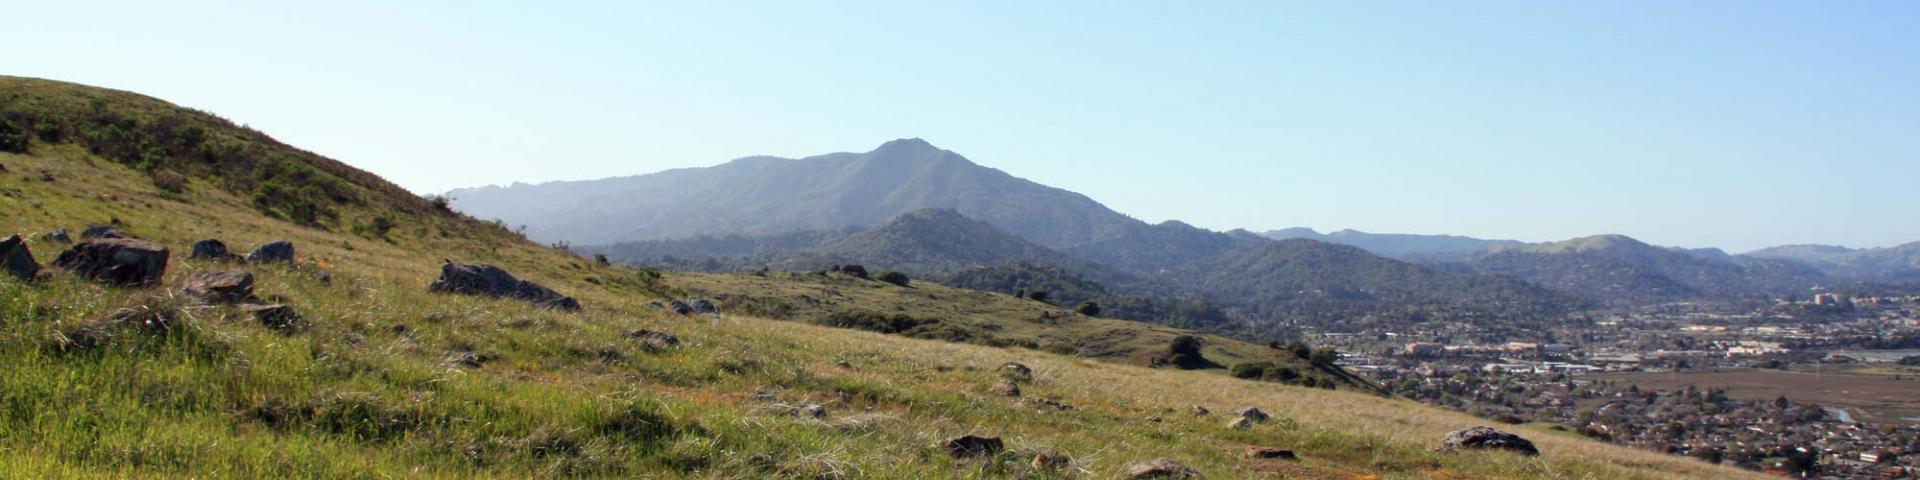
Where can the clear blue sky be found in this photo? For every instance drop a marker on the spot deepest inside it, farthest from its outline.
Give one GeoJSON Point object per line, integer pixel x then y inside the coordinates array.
{"type": "Point", "coordinates": [1733, 124]}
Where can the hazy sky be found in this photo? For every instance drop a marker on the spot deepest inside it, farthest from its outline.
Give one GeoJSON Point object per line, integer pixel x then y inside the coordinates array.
{"type": "Point", "coordinates": [1733, 124]}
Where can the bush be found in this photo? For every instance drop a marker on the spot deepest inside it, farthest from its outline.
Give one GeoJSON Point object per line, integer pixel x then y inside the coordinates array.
{"type": "Point", "coordinates": [894, 277]}
{"type": "Point", "coordinates": [875, 322]}
{"type": "Point", "coordinates": [440, 202]}
{"type": "Point", "coordinates": [13, 139]}
{"type": "Point", "coordinates": [1088, 308]}
{"type": "Point", "coordinates": [856, 271]}
{"type": "Point", "coordinates": [1184, 353]}
{"type": "Point", "coordinates": [1038, 295]}
{"type": "Point", "coordinates": [170, 181]}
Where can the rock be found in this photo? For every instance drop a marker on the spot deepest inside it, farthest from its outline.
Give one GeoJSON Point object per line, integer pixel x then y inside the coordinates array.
{"type": "Point", "coordinates": [17, 260]}
{"type": "Point", "coordinates": [57, 236]}
{"type": "Point", "coordinates": [1271, 453]}
{"type": "Point", "coordinates": [814, 410]}
{"type": "Point", "coordinates": [1240, 423]}
{"type": "Point", "coordinates": [1153, 419]}
{"type": "Point", "coordinates": [661, 339]}
{"type": "Point", "coordinates": [274, 251]}
{"type": "Point", "coordinates": [701, 305]}
{"type": "Point", "coordinates": [277, 316]}
{"type": "Point", "coordinates": [679, 307]}
{"type": "Point", "coordinates": [1050, 461]}
{"type": "Point", "coordinates": [465, 360]}
{"type": "Point", "coordinates": [1487, 438]}
{"type": "Point", "coordinates": [1161, 468]}
{"type": "Point", "coordinates": [118, 261]}
{"type": "Point", "coordinates": [99, 231]}
{"type": "Point", "coordinates": [970, 446]}
{"type": "Point", "coordinates": [209, 249]}
{"type": "Point", "coordinates": [1016, 372]}
{"type": "Point", "coordinates": [1200, 411]}
{"type": "Point", "coordinates": [1007, 388]}
{"type": "Point", "coordinates": [765, 396]}
{"type": "Point", "coordinates": [1251, 413]}
{"type": "Point", "coordinates": [221, 287]}
{"type": "Point", "coordinates": [491, 281]}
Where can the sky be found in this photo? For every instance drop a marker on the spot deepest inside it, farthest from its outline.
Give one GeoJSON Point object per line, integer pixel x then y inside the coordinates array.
{"type": "Point", "coordinates": [1732, 124]}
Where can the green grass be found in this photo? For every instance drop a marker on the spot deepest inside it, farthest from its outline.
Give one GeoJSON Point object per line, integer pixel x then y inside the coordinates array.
{"type": "Point", "coordinates": [368, 391]}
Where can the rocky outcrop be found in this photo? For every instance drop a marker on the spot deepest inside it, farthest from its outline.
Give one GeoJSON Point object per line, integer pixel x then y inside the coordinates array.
{"type": "Point", "coordinates": [1251, 414]}
{"type": "Point", "coordinates": [1016, 372]}
{"type": "Point", "coordinates": [1486, 438]}
{"type": "Point", "coordinates": [118, 261]}
{"type": "Point", "coordinates": [17, 260]}
{"type": "Point", "coordinates": [275, 251]}
{"type": "Point", "coordinates": [701, 305]}
{"type": "Point", "coordinates": [492, 281]}
{"type": "Point", "coordinates": [220, 287]}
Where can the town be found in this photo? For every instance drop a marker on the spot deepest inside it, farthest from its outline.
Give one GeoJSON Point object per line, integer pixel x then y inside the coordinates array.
{"type": "Point", "coordinates": [1826, 386]}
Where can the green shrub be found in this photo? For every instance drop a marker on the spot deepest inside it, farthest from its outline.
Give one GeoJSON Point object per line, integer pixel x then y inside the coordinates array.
{"type": "Point", "coordinates": [13, 139]}
{"type": "Point", "coordinates": [895, 277]}
{"type": "Point", "coordinates": [1088, 308]}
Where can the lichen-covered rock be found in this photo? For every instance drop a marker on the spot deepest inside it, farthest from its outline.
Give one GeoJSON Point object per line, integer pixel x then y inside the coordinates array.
{"type": "Point", "coordinates": [274, 251]}
{"type": "Point", "coordinates": [60, 236]}
{"type": "Point", "coordinates": [1252, 414]}
{"type": "Point", "coordinates": [118, 261]}
{"type": "Point", "coordinates": [220, 287]}
{"type": "Point", "coordinates": [1477, 438]}
{"type": "Point", "coordinates": [17, 260]}
{"type": "Point", "coordinates": [1016, 372]}
{"type": "Point", "coordinates": [656, 338]}
{"type": "Point", "coordinates": [1007, 388]}
{"type": "Point", "coordinates": [679, 307]}
{"type": "Point", "coordinates": [492, 281]}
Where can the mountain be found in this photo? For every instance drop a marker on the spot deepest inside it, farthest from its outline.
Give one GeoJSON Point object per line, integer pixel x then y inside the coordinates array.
{"type": "Point", "coordinates": [1897, 264]}
{"type": "Point", "coordinates": [768, 195]}
{"type": "Point", "coordinates": [1399, 246]}
{"type": "Point", "coordinates": [1621, 270]}
{"type": "Point", "coordinates": [1301, 280]}
{"type": "Point", "coordinates": [1152, 249]}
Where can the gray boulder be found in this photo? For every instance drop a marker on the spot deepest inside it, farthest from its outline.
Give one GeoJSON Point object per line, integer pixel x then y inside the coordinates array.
{"type": "Point", "coordinates": [492, 281]}
{"type": "Point", "coordinates": [57, 236]}
{"type": "Point", "coordinates": [701, 305]}
{"type": "Point", "coordinates": [656, 338]}
{"type": "Point", "coordinates": [970, 446]}
{"type": "Point", "coordinates": [275, 316]}
{"type": "Point", "coordinates": [1251, 414]}
{"type": "Point", "coordinates": [1016, 372]}
{"type": "Point", "coordinates": [118, 261]}
{"type": "Point", "coordinates": [275, 251]}
{"type": "Point", "coordinates": [209, 249]}
{"type": "Point", "coordinates": [17, 260]}
{"type": "Point", "coordinates": [221, 287]}
{"type": "Point", "coordinates": [679, 307]}
{"type": "Point", "coordinates": [99, 231]}
{"type": "Point", "coordinates": [1485, 438]}
{"type": "Point", "coordinates": [1161, 468]}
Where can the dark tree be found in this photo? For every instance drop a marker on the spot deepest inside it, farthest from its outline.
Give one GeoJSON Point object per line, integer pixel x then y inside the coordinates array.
{"type": "Point", "coordinates": [857, 271]}
{"type": "Point", "coordinates": [895, 277]}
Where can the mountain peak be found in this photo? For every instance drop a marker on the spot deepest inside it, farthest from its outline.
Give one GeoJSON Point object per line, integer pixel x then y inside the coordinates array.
{"type": "Point", "coordinates": [907, 145]}
{"type": "Point", "coordinates": [1610, 241]}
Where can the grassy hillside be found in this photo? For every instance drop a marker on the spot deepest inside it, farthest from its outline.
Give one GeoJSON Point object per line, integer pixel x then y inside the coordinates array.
{"type": "Point", "coordinates": [389, 381]}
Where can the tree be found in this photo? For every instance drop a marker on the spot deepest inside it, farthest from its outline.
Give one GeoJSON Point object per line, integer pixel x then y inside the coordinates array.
{"type": "Point", "coordinates": [1038, 295]}
{"type": "Point", "coordinates": [1184, 353]}
{"type": "Point", "coordinates": [1088, 308]}
{"type": "Point", "coordinates": [894, 277]}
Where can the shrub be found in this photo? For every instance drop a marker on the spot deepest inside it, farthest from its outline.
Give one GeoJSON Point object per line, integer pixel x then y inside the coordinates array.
{"type": "Point", "coordinates": [875, 322]}
{"type": "Point", "coordinates": [170, 181]}
{"type": "Point", "coordinates": [601, 259]}
{"type": "Point", "coordinates": [1088, 308]}
{"type": "Point", "coordinates": [895, 277]}
{"type": "Point", "coordinates": [13, 139]}
{"type": "Point", "coordinates": [856, 271]}
{"type": "Point", "coordinates": [1184, 353]}
{"type": "Point", "coordinates": [1038, 295]}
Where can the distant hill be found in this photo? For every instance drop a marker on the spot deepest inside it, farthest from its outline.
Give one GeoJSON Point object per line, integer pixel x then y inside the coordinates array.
{"type": "Point", "coordinates": [1621, 270]}
{"type": "Point", "coordinates": [1151, 249]}
{"type": "Point", "coordinates": [1305, 280]}
{"type": "Point", "coordinates": [769, 195]}
{"type": "Point", "coordinates": [926, 242]}
{"type": "Point", "coordinates": [1400, 246]}
{"type": "Point", "coordinates": [1895, 264]}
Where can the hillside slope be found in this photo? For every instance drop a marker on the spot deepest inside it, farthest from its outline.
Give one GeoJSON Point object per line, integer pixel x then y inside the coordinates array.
{"type": "Point", "coordinates": [1621, 270]}
{"type": "Point", "coordinates": [766, 195]}
{"type": "Point", "coordinates": [1896, 264]}
{"type": "Point", "coordinates": [1400, 246]}
{"type": "Point", "coordinates": [386, 380]}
